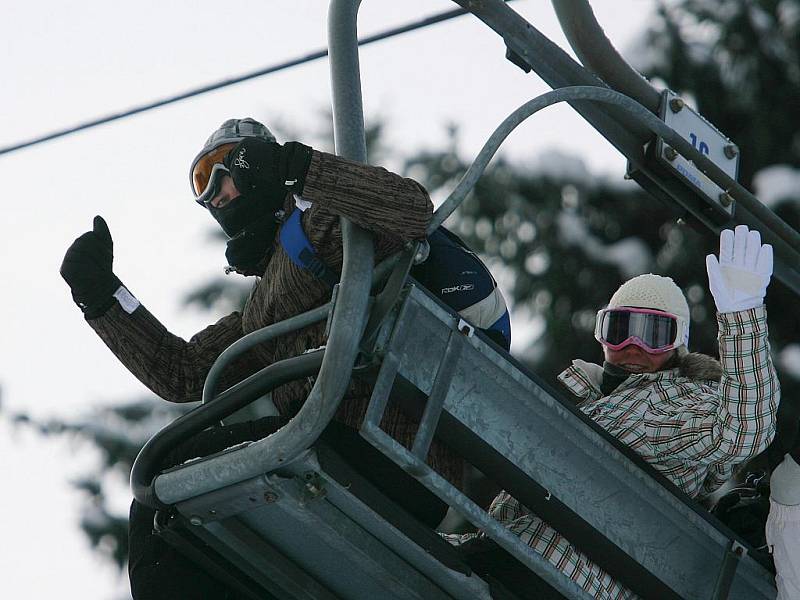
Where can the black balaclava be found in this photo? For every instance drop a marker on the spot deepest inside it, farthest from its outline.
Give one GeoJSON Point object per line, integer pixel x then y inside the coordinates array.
{"type": "Point", "coordinates": [613, 376]}
{"type": "Point", "coordinates": [251, 223]}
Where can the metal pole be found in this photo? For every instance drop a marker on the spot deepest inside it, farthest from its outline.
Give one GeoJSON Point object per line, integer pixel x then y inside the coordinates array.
{"type": "Point", "coordinates": [350, 309]}
{"type": "Point", "coordinates": [242, 345]}
{"type": "Point", "coordinates": [598, 55]}
{"type": "Point", "coordinates": [348, 113]}
{"type": "Point", "coordinates": [771, 227]}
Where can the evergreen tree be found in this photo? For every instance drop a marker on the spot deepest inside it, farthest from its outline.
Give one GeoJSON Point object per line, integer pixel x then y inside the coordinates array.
{"type": "Point", "coordinates": [115, 434]}
{"type": "Point", "coordinates": [569, 240]}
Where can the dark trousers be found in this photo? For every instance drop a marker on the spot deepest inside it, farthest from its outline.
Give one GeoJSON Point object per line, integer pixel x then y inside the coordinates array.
{"type": "Point", "coordinates": [159, 572]}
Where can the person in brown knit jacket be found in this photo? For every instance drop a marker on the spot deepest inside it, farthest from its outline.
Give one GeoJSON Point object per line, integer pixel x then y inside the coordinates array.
{"type": "Point", "coordinates": [253, 187]}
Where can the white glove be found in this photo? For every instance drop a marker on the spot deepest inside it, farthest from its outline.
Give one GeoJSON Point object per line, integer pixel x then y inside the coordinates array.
{"type": "Point", "coordinates": [739, 280]}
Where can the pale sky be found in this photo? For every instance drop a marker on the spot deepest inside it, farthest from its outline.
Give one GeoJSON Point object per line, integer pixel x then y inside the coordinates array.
{"type": "Point", "coordinates": [69, 62]}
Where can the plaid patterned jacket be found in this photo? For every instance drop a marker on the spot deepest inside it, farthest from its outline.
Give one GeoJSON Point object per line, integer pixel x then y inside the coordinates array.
{"type": "Point", "coordinates": [691, 428]}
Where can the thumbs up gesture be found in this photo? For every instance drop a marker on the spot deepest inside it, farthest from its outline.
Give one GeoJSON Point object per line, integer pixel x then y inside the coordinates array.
{"type": "Point", "coordinates": [87, 269]}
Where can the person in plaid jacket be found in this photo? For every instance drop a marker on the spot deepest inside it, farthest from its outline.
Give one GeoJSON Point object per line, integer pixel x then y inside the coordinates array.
{"type": "Point", "coordinates": [690, 416]}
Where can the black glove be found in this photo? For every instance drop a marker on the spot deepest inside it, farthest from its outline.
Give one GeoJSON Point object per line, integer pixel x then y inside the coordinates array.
{"type": "Point", "coordinates": [249, 251]}
{"type": "Point", "coordinates": [87, 270]}
{"type": "Point", "coordinates": [257, 165]}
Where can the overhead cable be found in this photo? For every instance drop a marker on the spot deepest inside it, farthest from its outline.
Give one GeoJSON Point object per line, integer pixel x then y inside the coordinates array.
{"type": "Point", "coordinates": [432, 20]}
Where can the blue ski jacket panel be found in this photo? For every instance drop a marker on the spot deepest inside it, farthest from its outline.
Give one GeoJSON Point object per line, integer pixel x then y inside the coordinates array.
{"type": "Point", "coordinates": [451, 272]}
{"type": "Point", "coordinates": [459, 278]}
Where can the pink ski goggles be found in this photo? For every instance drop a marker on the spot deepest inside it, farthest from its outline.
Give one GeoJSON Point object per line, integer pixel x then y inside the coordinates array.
{"type": "Point", "coordinates": [654, 331]}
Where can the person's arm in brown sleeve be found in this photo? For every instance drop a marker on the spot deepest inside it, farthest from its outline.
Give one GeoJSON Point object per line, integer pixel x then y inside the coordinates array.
{"type": "Point", "coordinates": [371, 197]}
{"type": "Point", "coordinates": [171, 367]}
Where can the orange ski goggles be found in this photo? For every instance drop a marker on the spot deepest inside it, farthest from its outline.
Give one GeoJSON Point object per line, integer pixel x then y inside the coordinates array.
{"type": "Point", "coordinates": [207, 172]}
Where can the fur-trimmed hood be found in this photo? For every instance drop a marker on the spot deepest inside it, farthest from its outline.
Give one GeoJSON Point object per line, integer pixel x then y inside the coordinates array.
{"type": "Point", "coordinates": [697, 366]}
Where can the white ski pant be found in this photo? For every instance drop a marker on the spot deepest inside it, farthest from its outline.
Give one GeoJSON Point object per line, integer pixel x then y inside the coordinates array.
{"type": "Point", "coordinates": [783, 538]}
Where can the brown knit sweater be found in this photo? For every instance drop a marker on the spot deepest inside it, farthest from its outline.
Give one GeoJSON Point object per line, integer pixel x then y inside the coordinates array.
{"type": "Point", "coordinates": [393, 208]}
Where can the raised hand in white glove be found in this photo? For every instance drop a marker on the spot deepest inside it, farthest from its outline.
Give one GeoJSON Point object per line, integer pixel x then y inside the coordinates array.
{"type": "Point", "coordinates": [739, 279]}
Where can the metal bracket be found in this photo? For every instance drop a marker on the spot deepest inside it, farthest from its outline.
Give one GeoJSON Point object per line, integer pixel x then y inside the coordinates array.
{"type": "Point", "coordinates": [227, 502]}
{"type": "Point", "coordinates": [388, 297]}
{"type": "Point", "coordinates": [465, 328]}
{"type": "Point", "coordinates": [517, 60]}
{"type": "Point", "coordinates": [730, 561]}
{"type": "Point", "coordinates": [313, 487]}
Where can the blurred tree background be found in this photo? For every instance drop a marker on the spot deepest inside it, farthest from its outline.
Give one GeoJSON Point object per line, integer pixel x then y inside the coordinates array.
{"type": "Point", "coordinates": [559, 239]}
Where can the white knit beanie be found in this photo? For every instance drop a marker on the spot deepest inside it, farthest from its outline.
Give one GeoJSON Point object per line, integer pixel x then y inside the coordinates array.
{"type": "Point", "coordinates": [652, 291]}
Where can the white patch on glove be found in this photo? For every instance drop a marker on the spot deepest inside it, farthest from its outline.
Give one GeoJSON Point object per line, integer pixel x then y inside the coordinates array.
{"type": "Point", "coordinates": [739, 279]}
{"type": "Point", "coordinates": [126, 300]}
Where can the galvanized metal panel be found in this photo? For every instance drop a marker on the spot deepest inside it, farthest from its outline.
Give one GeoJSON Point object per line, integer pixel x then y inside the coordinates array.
{"type": "Point", "coordinates": [330, 543]}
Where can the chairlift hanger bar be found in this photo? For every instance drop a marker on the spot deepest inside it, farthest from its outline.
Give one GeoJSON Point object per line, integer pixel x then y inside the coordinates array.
{"type": "Point", "coordinates": [530, 49]}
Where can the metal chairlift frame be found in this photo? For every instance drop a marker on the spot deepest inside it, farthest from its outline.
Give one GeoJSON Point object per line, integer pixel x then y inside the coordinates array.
{"type": "Point", "coordinates": [542, 478]}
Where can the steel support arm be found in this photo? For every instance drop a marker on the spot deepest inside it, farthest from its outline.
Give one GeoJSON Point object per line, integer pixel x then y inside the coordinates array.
{"type": "Point", "coordinates": [597, 54]}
